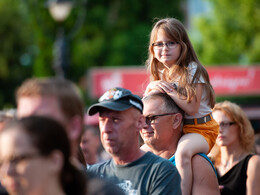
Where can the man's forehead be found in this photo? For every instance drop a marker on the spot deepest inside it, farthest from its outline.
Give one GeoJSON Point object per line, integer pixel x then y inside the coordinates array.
{"type": "Point", "coordinates": [37, 105]}
{"type": "Point", "coordinates": [15, 141]}
{"type": "Point", "coordinates": [154, 105]}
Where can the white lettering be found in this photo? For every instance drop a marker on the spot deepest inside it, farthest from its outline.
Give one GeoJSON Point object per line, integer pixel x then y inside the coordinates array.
{"type": "Point", "coordinates": [233, 83]}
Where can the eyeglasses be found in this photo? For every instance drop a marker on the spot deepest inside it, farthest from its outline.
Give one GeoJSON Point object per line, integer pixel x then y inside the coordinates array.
{"type": "Point", "coordinates": [169, 44]}
{"type": "Point", "coordinates": [151, 119]}
{"type": "Point", "coordinates": [18, 159]}
{"type": "Point", "coordinates": [224, 125]}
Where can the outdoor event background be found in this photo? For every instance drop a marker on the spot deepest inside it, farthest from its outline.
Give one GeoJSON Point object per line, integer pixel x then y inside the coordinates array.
{"type": "Point", "coordinates": [115, 33]}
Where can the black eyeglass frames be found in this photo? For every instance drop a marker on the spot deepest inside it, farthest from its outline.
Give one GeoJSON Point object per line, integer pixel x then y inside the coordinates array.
{"type": "Point", "coordinates": [150, 119]}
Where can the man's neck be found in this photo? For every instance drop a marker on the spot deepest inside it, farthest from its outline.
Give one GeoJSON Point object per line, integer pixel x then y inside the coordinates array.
{"type": "Point", "coordinates": [167, 154]}
{"type": "Point", "coordinates": [127, 158]}
{"type": "Point", "coordinates": [93, 159]}
{"type": "Point", "coordinates": [165, 150]}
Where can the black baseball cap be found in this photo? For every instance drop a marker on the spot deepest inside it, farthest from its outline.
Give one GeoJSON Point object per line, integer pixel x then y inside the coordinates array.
{"type": "Point", "coordinates": [117, 99]}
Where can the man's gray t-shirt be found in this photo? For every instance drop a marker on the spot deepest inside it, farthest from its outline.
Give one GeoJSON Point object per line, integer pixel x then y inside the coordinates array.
{"type": "Point", "coordinates": [150, 174]}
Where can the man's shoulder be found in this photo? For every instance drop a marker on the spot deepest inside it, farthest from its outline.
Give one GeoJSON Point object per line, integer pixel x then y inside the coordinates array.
{"type": "Point", "coordinates": [157, 159]}
{"type": "Point", "coordinates": [204, 178]}
{"type": "Point", "coordinates": [160, 163]}
{"type": "Point", "coordinates": [100, 186]}
{"type": "Point", "coordinates": [164, 174]}
{"type": "Point", "coordinates": [100, 167]}
{"type": "Point", "coordinates": [202, 166]}
{"type": "Point", "coordinates": [202, 158]}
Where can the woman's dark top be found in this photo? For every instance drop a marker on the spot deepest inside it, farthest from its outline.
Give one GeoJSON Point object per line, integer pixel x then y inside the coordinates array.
{"type": "Point", "coordinates": [234, 181]}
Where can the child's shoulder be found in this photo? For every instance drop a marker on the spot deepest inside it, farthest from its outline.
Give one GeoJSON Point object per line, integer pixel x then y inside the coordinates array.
{"type": "Point", "coordinates": [192, 65]}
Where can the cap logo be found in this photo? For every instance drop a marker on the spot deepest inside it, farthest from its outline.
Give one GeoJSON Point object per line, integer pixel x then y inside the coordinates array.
{"type": "Point", "coordinates": [136, 104]}
{"type": "Point", "coordinates": [112, 94]}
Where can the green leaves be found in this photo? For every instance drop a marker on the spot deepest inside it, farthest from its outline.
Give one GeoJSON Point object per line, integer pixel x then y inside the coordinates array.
{"type": "Point", "coordinates": [114, 33]}
{"type": "Point", "coordinates": [230, 34]}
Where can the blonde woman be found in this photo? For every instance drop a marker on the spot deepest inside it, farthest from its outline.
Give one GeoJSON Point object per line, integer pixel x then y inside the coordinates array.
{"type": "Point", "coordinates": [237, 167]}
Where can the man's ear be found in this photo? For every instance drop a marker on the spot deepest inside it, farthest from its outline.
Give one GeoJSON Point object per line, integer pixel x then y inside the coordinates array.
{"type": "Point", "coordinates": [140, 122]}
{"type": "Point", "coordinates": [177, 120]}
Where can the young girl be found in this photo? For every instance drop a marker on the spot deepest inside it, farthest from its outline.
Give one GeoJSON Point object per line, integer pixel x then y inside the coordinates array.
{"type": "Point", "coordinates": [176, 70]}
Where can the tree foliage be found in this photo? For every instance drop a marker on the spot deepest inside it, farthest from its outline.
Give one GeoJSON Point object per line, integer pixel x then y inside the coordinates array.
{"type": "Point", "coordinates": [114, 33]}
{"type": "Point", "coordinates": [230, 33]}
{"type": "Point", "coordinates": [15, 51]}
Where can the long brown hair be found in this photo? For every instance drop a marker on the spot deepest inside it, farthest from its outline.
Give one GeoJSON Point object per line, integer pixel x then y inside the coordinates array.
{"type": "Point", "coordinates": [175, 30]}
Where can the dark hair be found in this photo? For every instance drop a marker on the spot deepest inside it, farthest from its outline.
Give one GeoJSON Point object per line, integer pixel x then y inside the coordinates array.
{"type": "Point", "coordinates": [47, 135]}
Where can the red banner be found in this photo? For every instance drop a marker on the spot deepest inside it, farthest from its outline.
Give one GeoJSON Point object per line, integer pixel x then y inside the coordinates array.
{"type": "Point", "coordinates": [235, 80]}
{"type": "Point", "coordinates": [226, 81]}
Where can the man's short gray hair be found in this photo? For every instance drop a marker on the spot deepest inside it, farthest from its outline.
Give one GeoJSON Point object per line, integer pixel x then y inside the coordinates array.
{"type": "Point", "coordinates": [169, 105]}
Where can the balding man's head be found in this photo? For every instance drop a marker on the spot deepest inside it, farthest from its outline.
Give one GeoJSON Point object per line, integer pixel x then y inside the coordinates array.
{"type": "Point", "coordinates": [164, 120]}
{"type": "Point", "coordinates": [168, 105]}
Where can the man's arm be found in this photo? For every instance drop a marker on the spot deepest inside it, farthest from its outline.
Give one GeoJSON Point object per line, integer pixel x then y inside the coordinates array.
{"type": "Point", "coordinates": [204, 178]}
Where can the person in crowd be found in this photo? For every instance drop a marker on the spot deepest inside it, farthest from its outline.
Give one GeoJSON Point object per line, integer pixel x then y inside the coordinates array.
{"type": "Point", "coordinates": [6, 116]}
{"type": "Point", "coordinates": [257, 143]}
{"type": "Point", "coordinates": [35, 159]}
{"type": "Point", "coordinates": [57, 98]}
{"type": "Point", "coordinates": [237, 167]}
{"type": "Point", "coordinates": [161, 134]}
{"type": "Point", "coordinates": [90, 144]}
{"type": "Point", "coordinates": [60, 99]}
{"type": "Point", "coordinates": [176, 70]}
{"type": "Point", "coordinates": [137, 172]}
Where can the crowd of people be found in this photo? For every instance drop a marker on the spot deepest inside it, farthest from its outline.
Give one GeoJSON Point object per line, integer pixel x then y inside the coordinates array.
{"type": "Point", "coordinates": [191, 145]}
{"type": "Point", "coordinates": [58, 99]}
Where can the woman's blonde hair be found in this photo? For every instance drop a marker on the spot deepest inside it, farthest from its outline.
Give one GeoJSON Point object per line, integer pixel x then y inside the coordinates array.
{"type": "Point", "coordinates": [175, 30]}
{"type": "Point", "coordinates": [246, 131]}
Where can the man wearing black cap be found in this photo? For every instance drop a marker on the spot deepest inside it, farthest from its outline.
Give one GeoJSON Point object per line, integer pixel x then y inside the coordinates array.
{"type": "Point", "coordinates": [136, 172]}
{"type": "Point", "coordinates": [59, 99]}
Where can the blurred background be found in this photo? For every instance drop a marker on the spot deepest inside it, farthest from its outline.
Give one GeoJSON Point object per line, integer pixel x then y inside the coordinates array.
{"type": "Point", "coordinates": [100, 44]}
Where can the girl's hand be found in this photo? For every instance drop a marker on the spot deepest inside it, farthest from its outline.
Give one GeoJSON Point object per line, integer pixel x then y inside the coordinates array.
{"type": "Point", "coordinates": [166, 86]}
{"type": "Point", "coordinates": [150, 87]}
{"type": "Point", "coordinates": [159, 86]}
